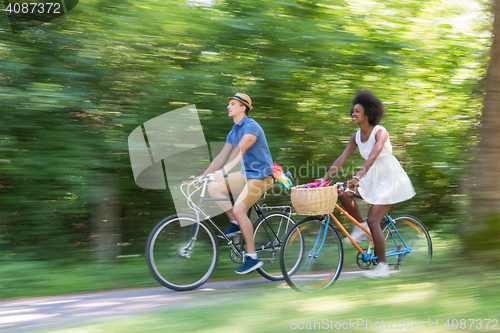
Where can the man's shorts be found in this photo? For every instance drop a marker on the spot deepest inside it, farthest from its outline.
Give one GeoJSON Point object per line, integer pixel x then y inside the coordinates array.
{"type": "Point", "coordinates": [250, 189]}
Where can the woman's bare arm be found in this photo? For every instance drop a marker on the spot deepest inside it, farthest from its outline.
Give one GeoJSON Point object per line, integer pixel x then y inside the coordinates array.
{"type": "Point", "coordinates": [339, 162]}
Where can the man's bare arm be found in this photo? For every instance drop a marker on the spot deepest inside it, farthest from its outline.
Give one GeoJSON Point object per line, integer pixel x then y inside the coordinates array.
{"type": "Point", "coordinates": [219, 160]}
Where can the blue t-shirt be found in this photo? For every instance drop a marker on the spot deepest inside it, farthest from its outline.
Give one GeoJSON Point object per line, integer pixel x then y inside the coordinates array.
{"type": "Point", "coordinates": [257, 160]}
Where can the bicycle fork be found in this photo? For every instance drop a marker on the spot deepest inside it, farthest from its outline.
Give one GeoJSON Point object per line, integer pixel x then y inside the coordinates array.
{"type": "Point", "coordinates": [319, 237]}
{"type": "Point", "coordinates": [185, 251]}
{"type": "Point", "coordinates": [401, 250]}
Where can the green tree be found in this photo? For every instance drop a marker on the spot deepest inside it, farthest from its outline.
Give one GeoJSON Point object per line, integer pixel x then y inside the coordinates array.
{"type": "Point", "coordinates": [482, 230]}
{"type": "Point", "coordinates": [73, 89]}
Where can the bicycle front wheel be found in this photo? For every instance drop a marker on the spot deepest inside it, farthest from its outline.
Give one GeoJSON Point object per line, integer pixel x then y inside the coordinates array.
{"type": "Point", "coordinates": [181, 253]}
{"type": "Point", "coordinates": [269, 232]}
{"type": "Point", "coordinates": [319, 249]}
{"type": "Point", "coordinates": [409, 245]}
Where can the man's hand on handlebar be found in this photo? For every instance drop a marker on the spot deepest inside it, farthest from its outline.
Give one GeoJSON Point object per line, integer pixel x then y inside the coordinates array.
{"type": "Point", "coordinates": [196, 180]}
{"type": "Point", "coordinates": [218, 176]}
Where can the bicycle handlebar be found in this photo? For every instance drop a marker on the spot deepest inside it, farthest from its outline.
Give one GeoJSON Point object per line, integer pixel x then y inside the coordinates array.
{"type": "Point", "coordinates": [342, 186]}
{"type": "Point", "coordinates": [209, 176]}
{"type": "Point", "coordinates": [188, 192]}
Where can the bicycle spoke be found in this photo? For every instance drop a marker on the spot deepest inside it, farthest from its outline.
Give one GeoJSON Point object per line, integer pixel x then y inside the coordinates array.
{"type": "Point", "coordinates": [269, 232]}
{"type": "Point", "coordinates": [311, 256]}
{"type": "Point", "coordinates": [408, 246]}
{"type": "Point", "coordinates": [182, 257]}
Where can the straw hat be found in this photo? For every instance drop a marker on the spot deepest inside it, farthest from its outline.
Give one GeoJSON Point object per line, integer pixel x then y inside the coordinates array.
{"type": "Point", "coordinates": [243, 98]}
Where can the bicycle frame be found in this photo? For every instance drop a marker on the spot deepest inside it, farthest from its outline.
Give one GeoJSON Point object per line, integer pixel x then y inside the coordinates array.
{"type": "Point", "coordinates": [367, 256]}
{"type": "Point", "coordinates": [406, 248]}
{"type": "Point", "coordinates": [199, 212]}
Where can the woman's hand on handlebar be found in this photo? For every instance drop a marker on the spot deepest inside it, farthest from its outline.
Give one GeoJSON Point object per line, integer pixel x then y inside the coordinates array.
{"type": "Point", "coordinates": [351, 184]}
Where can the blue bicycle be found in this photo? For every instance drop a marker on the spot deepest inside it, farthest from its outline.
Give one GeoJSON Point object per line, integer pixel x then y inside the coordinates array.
{"type": "Point", "coordinates": [318, 245]}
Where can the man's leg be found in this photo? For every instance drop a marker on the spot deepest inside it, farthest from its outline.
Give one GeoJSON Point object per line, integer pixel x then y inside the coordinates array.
{"type": "Point", "coordinates": [240, 212]}
{"type": "Point", "coordinates": [251, 193]}
{"type": "Point", "coordinates": [219, 190]}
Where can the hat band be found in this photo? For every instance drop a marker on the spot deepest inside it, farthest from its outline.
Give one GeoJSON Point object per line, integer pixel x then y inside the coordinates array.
{"type": "Point", "coordinates": [241, 99]}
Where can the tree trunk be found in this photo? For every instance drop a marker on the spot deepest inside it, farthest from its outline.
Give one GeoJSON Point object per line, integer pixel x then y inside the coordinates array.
{"type": "Point", "coordinates": [105, 222]}
{"type": "Point", "coordinates": [483, 229]}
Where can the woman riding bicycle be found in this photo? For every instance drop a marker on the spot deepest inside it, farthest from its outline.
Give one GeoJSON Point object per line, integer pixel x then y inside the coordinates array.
{"type": "Point", "coordinates": [382, 181]}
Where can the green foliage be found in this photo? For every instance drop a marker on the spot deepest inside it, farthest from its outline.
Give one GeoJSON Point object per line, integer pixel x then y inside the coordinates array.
{"type": "Point", "coordinates": [72, 90]}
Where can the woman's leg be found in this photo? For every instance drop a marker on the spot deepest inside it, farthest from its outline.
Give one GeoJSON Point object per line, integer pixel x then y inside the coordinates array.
{"type": "Point", "coordinates": [350, 206]}
{"type": "Point", "coordinates": [377, 212]}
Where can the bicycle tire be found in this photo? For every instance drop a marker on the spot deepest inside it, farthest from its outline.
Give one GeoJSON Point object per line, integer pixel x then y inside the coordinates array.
{"type": "Point", "coordinates": [172, 264]}
{"type": "Point", "coordinates": [320, 265]}
{"type": "Point", "coordinates": [269, 232]}
{"type": "Point", "coordinates": [415, 235]}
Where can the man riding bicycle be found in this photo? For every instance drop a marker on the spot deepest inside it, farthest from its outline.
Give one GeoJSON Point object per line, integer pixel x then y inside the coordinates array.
{"type": "Point", "coordinates": [245, 141]}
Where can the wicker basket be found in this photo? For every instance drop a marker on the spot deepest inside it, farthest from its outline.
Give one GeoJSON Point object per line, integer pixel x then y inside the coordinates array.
{"type": "Point", "coordinates": [314, 201]}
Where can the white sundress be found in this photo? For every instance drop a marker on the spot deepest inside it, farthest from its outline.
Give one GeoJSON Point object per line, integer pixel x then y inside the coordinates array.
{"type": "Point", "coordinates": [386, 182]}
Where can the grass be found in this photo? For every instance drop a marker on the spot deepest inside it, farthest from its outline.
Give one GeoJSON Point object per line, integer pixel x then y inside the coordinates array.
{"type": "Point", "coordinates": [451, 288]}
{"type": "Point", "coordinates": [416, 301]}
{"type": "Point", "coordinates": [25, 279]}
{"type": "Point", "coordinates": [38, 278]}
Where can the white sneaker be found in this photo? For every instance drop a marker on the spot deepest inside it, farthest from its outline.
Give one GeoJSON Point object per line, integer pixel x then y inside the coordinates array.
{"type": "Point", "coordinates": [358, 234]}
{"type": "Point", "coordinates": [380, 271]}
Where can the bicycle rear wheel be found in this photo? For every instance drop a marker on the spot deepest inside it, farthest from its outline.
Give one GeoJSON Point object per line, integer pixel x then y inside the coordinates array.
{"type": "Point", "coordinates": [182, 254]}
{"type": "Point", "coordinates": [269, 232]}
{"type": "Point", "coordinates": [416, 238]}
{"type": "Point", "coordinates": [320, 252]}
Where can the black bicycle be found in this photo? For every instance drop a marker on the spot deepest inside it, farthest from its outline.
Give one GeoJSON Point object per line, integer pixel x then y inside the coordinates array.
{"type": "Point", "coordinates": [182, 250]}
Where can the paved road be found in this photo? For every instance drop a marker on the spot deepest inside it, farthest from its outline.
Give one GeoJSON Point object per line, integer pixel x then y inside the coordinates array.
{"type": "Point", "coordinates": [47, 313]}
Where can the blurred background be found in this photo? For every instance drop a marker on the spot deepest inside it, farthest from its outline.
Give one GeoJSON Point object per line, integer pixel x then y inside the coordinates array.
{"type": "Point", "coordinates": [72, 90]}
